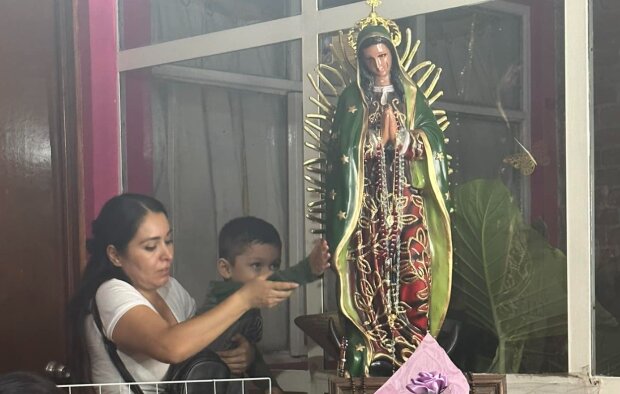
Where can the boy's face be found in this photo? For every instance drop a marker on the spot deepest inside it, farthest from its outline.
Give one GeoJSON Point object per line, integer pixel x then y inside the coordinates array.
{"type": "Point", "coordinates": [257, 259]}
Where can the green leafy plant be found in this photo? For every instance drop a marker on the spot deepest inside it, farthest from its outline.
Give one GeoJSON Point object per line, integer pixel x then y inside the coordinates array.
{"type": "Point", "coordinates": [507, 278]}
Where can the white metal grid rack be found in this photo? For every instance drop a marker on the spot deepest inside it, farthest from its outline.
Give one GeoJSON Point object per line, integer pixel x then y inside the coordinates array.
{"type": "Point", "coordinates": [162, 386]}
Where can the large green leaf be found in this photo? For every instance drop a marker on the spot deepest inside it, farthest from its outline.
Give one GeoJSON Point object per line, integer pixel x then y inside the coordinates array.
{"type": "Point", "coordinates": [508, 278]}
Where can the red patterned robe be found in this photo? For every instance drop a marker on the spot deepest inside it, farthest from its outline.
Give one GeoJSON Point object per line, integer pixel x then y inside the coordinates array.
{"type": "Point", "coordinates": [391, 230]}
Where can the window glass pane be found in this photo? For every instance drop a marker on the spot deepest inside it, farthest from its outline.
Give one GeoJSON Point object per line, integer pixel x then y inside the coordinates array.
{"type": "Point", "coordinates": [471, 134]}
{"type": "Point", "coordinates": [145, 22]}
{"type": "Point", "coordinates": [213, 146]}
{"type": "Point", "coordinates": [334, 3]}
{"type": "Point", "coordinates": [480, 51]}
{"type": "Point", "coordinates": [607, 186]}
{"type": "Point", "coordinates": [503, 94]}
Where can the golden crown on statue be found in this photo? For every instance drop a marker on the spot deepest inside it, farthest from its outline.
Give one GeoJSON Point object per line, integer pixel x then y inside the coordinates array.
{"type": "Point", "coordinates": [373, 19]}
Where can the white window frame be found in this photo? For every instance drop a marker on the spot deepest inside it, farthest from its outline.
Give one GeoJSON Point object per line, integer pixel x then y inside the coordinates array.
{"type": "Point", "coordinates": [579, 148]}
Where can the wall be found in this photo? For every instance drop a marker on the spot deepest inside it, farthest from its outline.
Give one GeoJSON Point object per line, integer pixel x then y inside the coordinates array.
{"type": "Point", "coordinates": [98, 109]}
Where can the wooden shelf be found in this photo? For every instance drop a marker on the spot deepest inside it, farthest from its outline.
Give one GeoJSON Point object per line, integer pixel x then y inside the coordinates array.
{"type": "Point", "coordinates": [482, 384]}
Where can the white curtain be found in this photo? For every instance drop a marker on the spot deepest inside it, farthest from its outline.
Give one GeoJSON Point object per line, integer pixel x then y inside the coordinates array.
{"type": "Point", "coordinates": [219, 153]}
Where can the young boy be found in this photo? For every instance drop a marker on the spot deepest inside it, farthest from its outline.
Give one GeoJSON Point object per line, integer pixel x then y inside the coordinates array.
{"type": "Point", "coordinates": [250, 247]}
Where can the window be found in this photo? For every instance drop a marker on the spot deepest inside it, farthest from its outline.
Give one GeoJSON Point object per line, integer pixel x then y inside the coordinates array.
{"type": "Point", "coordinates": [146, 22]}
{"type": "Point", "coordinates": [607, 345]}
{"type": "Point", "coordinates": [213, 145]}
{"type": "Point", "coordinates": [504, 71]}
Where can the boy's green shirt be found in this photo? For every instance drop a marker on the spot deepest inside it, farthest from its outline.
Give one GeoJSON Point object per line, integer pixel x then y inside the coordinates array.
{"type": "Point", "coordinates": [220, 290]}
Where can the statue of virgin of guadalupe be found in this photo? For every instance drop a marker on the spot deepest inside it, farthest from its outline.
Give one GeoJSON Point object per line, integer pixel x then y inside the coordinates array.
{"type": "Point", "coordinates": [386, 212]}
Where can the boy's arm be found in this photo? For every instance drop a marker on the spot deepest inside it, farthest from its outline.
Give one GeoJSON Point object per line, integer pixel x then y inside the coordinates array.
{"type": "Point", "coordinates": [299, 273]}
{"type": "Point", "coordinates": [260, 369]}
{"type": "Point", "coordinates": [310, 268]}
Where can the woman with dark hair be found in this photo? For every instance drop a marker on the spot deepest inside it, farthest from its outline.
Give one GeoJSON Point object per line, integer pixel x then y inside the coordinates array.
{"type": "Point", "coordinates": [145, 312]}
{"type": "Point", "coordinates": [387, 211]}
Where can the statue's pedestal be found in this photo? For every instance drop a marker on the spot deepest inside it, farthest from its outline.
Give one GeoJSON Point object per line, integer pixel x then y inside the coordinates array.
{"type": "Point", "coordinates": [343, 385]}
{"type": "Point", "coordinates": [482, 384]}
{"type": "Point", "coordinates": [323, 328]}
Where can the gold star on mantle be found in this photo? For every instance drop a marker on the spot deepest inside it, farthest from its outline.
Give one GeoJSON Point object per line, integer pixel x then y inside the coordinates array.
{"type": "Point", "coordinates": [332, 194]}
{"type": "Point", "coordinates": [342, 215]}
{"type": "Point", "coordinates": [439, 156]}
{"type": "Point", "coordinates": [360, 347]}
{"type": "Point", "coordinates": [353, 109]}
{"type": "Point", "coordinates": [344, 159]}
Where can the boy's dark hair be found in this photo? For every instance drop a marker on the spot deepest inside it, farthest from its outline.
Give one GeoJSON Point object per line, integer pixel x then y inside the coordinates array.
{"type": "Point", "coordinates": [242, 232]}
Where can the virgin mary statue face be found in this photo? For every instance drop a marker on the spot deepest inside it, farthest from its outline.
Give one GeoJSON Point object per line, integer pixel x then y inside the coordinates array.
{"type": "Point", "coordinates": [378, 60]}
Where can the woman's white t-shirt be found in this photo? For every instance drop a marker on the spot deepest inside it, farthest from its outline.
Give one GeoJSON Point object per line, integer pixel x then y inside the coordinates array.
{"type": "Point", "coordinates": [114, 298]}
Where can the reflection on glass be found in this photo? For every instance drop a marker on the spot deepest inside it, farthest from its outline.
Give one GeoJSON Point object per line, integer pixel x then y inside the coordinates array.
{"type": "Point", "coordinates": [607, 187]}
{"type": "Point", "coordinates": [481, 54]}
{"type": "Point", "coordinates": [510, 271]}
{"type": "Point", "coordinates": [145, 22]}
{"type": "Point", "coordinates": [506, 142]}
{"type": "Point", "coordinates": [211, 150]}
{"type": "Point", "coordinates": [469, 136]}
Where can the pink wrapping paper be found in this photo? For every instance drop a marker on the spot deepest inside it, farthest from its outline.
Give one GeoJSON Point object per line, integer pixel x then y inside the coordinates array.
{"type": "Point", "coordinates": [428, 357]}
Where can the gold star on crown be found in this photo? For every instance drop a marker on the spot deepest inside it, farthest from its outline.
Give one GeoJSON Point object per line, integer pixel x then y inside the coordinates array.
{"type": "Point", "coordinates": [373, 19]}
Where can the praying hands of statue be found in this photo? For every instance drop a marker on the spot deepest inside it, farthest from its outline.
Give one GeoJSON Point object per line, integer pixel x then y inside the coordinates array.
{"type": "Point", "coordinates": [389, 127]}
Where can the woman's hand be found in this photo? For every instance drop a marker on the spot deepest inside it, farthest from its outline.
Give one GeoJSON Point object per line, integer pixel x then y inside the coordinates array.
{"type": "Point", "coordinates": [263, 293]}
{"type": "Point", "coordinates": [238, 359]}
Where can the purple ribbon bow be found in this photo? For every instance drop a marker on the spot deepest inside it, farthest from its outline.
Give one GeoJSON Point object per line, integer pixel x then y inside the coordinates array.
{"type": "Point", "coordinates": [428, 383]}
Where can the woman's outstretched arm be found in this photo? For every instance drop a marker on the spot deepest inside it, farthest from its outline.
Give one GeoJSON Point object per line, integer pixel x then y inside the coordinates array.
{"type": "Point", "coordinates": [143, 331]}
